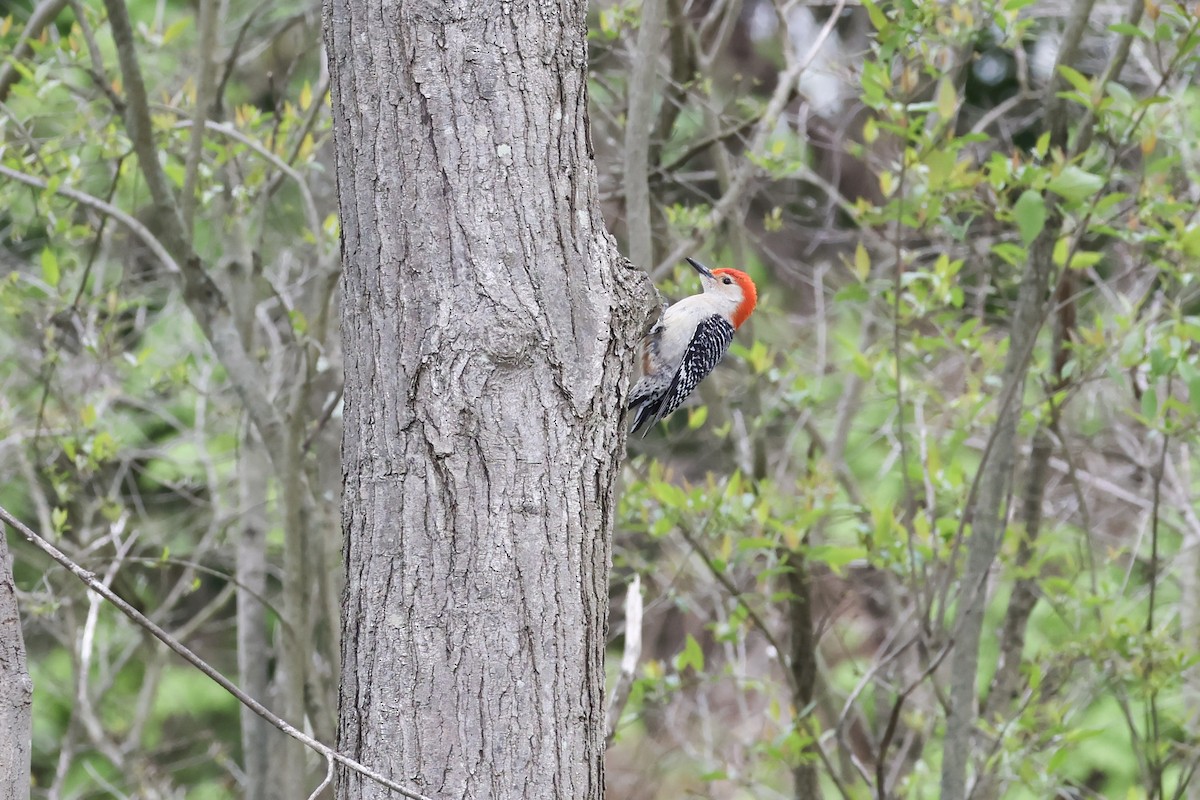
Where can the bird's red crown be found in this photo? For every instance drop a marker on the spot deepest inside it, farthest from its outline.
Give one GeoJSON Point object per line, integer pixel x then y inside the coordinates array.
{"type": "Point", "coordinates": [749, 294]}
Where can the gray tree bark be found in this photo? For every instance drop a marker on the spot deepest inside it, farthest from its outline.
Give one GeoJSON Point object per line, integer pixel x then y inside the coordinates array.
{"type": "Point", "coordinates": [489, 326]}
{"type": "Point", "coordinates": [253, 650]}
{"type": "Point", "coordinates": [639, 125]}
{"type": "Point", "coordinates": [16, 689]}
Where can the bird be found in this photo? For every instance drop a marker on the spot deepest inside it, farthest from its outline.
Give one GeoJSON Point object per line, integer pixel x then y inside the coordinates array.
{"type": "Point", "coordinates": [690, 339]}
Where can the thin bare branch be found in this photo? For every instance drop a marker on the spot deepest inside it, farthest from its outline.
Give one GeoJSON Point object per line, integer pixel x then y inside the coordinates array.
{"type": "Point", "coordinates": [629, 658]}
{"type": "Point", "coordinates": [328, 780]}
{"type": "Point", "coordinates": [138, 125]}
{"type": "Point", "coordinates": [93, 48]}
{"type": "Point", "coordinates": [187, 655]}
{"type": "Point", "coordinates": [212, 13]}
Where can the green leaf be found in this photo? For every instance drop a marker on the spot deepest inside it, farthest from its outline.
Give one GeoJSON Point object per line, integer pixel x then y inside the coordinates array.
{"type": "Point", "coordinates": [887, 183]}
{"type": "Point", "coordinates": [1075, 184]}
{"type": "Point", "coordinates": [876, 81]}
{"type": "Point", "coordinates": [104, 447]}
{"type": "Point", "coordinates": [1104, 204]}
{"type": "Point", "coordinates": [1011, 254]}
{"type": "Point", "coordinates": [1161, 362]}
{"type": "Point", "coordinates": [175, 172]}
{"type": "Point", "coordinates": [755, 543]}
{"type": "Point", "coordinates": [1081, 82]}
{"type": "Point", "coordinates": [941, 165]}
{"type": "Point", "coordinates": [668, 494]}
{"type": "Point", "coordinates": [1125, 29]}
{"type": "Point", "coordinates": [878, 18]}
{"type": "Point", "coordinates": [692, 656]}
{"type": "Point", "coordinates": [696, 416]}
{"type": "Point", "coordinates": [836, 556]}
{"type": "Point", "coordinates": [299, 321]}
{"type": "Point", "coordinates": [1042, 146]}
{"type": "Point", "coordinates": [1030, 215]}
{"type": "Point", "coordinates": [50, 266]}
{"type": "Point", "coordinates": [759, 357]}
{"type": "Point", "coordinates": [1059, 758]}
{"type": "Point", "coordinates": [1080, 259]}
{"type": "Point", "coordinates": [947, 99]}
{"type": "Point", "coordinates": [175, 29]}
{"type": "Point", "coordinates": [1150, 403]}
{"type": "Point", "coordinates": [862, 262]}
{"type": "Point", "coordinates": [870, 131]}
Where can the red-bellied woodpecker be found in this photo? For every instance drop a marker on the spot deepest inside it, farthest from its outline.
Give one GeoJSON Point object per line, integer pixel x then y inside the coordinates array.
{"type": "Point", "coordinates": [689, 340]}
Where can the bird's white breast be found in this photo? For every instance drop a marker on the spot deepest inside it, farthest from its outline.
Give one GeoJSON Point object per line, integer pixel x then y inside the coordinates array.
{"type": "Point", "coordinates": [680, 320]}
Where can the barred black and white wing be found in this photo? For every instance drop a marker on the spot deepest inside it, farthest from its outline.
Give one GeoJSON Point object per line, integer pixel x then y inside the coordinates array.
{"type": "Point", "coordinates": [708, 346]}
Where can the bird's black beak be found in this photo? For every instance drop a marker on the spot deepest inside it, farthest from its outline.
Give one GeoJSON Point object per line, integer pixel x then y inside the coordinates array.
{"type": "Point", "coordinates": [703, 270]}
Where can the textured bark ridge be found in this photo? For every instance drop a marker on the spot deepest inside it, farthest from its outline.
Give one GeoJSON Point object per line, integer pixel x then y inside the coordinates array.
{"type": "Point", "coordinates": [489, 326]}
{"type": "Point", "coordinates": [16, 689]}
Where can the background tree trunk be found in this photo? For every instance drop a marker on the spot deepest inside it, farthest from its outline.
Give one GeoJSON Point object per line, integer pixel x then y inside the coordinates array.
{"type": "Point", "coordinates": [16, 689]}
{"type": "Point", "coordinates": [253, 650]}
{"type": "Point", "coordinates": [489, 325]}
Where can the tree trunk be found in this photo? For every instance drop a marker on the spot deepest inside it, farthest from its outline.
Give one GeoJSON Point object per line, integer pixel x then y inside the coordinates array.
{"type": "Point", "coordinates": [253, 650]}
{"type": "Point", "coordinates": [16, 689]}
{"type": "Point", "coordinates": [488, 325]}
{"type": "Point", "coordinates": [806, 783]}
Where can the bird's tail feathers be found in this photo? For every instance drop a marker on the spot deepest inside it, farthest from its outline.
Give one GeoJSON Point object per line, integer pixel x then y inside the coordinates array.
{"type": "Point", "coordinates": [649, 411]}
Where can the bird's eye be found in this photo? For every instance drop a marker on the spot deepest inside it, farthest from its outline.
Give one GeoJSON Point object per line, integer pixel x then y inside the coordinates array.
{"type": "Point", "coordinates": [727, 281]}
